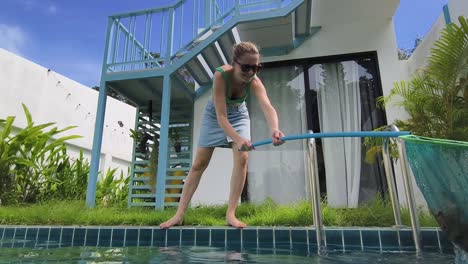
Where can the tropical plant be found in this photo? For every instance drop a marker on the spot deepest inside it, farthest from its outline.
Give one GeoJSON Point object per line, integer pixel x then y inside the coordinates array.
{"type": "Point", "coordinates": [436, 98]}
{"type": "Point", "coordinates": [174, 134]}
{"type": "Point", "coordinates": [29, 158]}
{"type": "Point", "coordinates": [136, 135]}
{"type": "Point", "coordinates": [70, 181]}
{"type": "Point", "coordinates": [111, 190]}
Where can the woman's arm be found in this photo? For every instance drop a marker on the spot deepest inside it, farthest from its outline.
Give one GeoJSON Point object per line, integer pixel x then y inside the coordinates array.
{"type": "Point", "coordinates": [219, 100]}
{"type": "Point", "coordinates": [268, 110]}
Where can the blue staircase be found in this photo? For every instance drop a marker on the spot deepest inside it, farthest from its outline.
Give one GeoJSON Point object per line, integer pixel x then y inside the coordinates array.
{"type": "Point", "coordinates": [163, 59]}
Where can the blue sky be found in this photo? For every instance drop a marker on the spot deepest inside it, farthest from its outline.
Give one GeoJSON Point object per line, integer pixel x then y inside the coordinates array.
{"type": "Point", "coordinates": [68, 36]}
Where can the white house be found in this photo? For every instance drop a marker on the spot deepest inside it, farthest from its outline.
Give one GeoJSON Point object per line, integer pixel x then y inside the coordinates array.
{"type": "Point", "coordinates": [326, 81]}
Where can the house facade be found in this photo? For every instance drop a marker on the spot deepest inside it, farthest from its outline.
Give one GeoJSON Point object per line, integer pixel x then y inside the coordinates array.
{"type": "Point", "coordinates": [325, 63]}
{"type": "Point", "coordinates": [329, 83]}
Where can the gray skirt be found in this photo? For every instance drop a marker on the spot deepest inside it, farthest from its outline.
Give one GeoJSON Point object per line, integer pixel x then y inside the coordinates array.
{"type": "Point", "coordinates": [212, 135]}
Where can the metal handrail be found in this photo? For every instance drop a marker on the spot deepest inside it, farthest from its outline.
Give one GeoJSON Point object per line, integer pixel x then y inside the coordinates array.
{"type": "Point", "coordinates": [315, 193]}
{"type": "Point", "coordinates": [409, 194]}
{"type": "Point", "coordinates": [315, 185]}
{"type": "Point", "coordinates": [172, 40]}
{"type": "Point", "coordinates": [391, 179]}
{"type": "Point", "coordinates": [407, 185]}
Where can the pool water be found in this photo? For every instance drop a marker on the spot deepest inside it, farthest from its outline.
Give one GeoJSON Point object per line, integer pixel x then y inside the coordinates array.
{"type": "Point", "coordinates": [191, 254]}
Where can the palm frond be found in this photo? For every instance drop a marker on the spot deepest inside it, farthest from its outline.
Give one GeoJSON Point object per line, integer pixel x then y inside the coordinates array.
{"type": "Point", "coordinates": [436, 98]}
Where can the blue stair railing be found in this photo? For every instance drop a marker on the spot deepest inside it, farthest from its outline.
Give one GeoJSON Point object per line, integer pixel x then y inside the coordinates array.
{"type": "Point", "coordinates": [155, 38]}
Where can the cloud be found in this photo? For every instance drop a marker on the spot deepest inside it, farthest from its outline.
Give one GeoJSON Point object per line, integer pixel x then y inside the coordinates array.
{"type": "Point", "coordinates": [51, 9]}
{"type": "Point", "coordinates": [13, 38]}
{"type": "Point", "coordinates": [34, 5]}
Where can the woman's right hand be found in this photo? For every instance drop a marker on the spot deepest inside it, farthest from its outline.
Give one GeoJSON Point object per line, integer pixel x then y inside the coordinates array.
{"type": "Point", "coordinates": [244, 144]}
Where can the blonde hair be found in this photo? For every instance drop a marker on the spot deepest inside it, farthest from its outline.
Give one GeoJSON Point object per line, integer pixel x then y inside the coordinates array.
{"type": "Point", "coordinates": [242, 48]}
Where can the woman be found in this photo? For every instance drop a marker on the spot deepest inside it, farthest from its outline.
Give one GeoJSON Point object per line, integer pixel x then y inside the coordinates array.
{"type": "Point", "coordinates": [226, 123]}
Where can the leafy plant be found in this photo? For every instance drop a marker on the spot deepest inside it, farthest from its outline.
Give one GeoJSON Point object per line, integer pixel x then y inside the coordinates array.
{"type": "Point", "coordinates": [70, 181]}
{"type": "Point", "coordinates": [29, 158]}
{"type": "Point", "coordinates": [436, 98]}
{"type": "Point", "coordinates": [174, 134]}
{"type": "Point", "coordinates": [136, 135]}
{"type": "Point", "coordinates": [111, 190]}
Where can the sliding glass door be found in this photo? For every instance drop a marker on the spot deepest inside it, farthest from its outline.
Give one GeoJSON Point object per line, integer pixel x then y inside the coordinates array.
{"type": "Point", "coordinates": [324, 95]}
{"type": "Point", "coordinates": [279, 173]}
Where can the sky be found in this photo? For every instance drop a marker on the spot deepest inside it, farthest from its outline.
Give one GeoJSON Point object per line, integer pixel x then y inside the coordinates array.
{"type": "Point", "coordinates": [68, 36]}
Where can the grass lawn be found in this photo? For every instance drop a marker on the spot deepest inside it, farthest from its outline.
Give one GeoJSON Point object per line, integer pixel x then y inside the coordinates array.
{"type": "Point", "coordinates": [377, 213]}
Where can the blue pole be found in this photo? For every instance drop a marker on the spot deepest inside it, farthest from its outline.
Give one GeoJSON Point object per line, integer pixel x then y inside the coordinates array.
{"type": "Point", "coordinates": [98, 128]}
{"type": "Point", "coordinates": [163, 142]}
{"type": "Point", "coordinates": [132, 167]}
{"type": "Point", "coordinates": [336, 134]}
{"type": "Point", "coordinates": [170, 36]}
{"type": "Point", "coordinates": [447, 18]}
{"type": "Point", "coordinates": [97, 142]}
{"type": "Point", "coordinates": [207, 13]}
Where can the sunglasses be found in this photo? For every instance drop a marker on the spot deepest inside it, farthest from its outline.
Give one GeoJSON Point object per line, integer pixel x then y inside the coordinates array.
{"type": "Point", "coordinates": [248, 67]}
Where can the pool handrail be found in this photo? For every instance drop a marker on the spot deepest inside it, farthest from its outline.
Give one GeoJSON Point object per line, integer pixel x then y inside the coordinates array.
{"type": "Point", "coordinates": [391, 132]}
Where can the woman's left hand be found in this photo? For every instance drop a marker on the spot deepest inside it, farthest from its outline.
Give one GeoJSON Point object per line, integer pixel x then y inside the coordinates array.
{"type": "Point", "coordinates": [276, 135]}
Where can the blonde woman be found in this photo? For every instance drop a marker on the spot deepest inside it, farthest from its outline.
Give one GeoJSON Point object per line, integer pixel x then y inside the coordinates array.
{"type": "Point", "coordinates": [226, 123]}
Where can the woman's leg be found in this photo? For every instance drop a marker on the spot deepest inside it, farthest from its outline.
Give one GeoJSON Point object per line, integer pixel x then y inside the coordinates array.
{"type": "Point", "coordinates": [239, 173]}
{"type": "Point", "coordinates": [202, 159]}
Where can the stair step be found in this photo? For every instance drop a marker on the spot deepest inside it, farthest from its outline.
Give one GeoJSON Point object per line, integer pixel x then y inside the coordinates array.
{"type": "Point", "coordinates": [172, 195]}
{"type": "Point", "coordinates": [174, 186]}
{"type": "Point", "coordinates": [150, 131]}
{"type": "Point", "coordinates": [179, 169]}
{"type": "Point", "coordinates": [184, 152]}
{"type": "Point", "coordinates": [216, 27]}
{"type": "Point", "coordinates": [152, 204]}
{"type": "Point", "coordinates": [171, 204]}
{"type": "Point", "coordinates": [139, 179]}
{"type": "Point", "coordinates": [143, 195]}
{"type": "Point", "coordinates": [225, 43]}
{"type": "Point", "coordinates": [146, 121]}
{"type": "Point", "coordinates": [212, 57]}
{"type": "Point", "coordinates": [176, 160]}
{"type": "Point", "coordinates": [141, 187]}
{"type": "Point", "coordinates": [142, 170]}
{"type": "Point", "coordinates": [197, 41]}
{"type": "Point", "coordinates": [170, 178]}
{"type": "Point", "coordinates": [141, 162]}
{"type": "Point", "coordinates": [180, 54]}
{"type": "Point", "coordinates": [198, 71]}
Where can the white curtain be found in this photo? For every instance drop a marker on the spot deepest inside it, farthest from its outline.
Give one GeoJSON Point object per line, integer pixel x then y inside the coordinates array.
{"type": "Point", "coordinates": [339, 107]}
{"type": "Point", "coordinates": [279, 173]}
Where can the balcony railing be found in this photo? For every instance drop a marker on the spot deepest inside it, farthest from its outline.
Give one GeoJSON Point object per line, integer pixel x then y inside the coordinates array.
{"type": "Point", "coordinates": [154, 38]}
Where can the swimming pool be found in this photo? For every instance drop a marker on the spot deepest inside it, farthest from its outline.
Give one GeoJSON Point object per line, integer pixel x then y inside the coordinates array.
{"type": "Point", "coordinates": [200, 254]}
{"type": "Point", "coordinates": [39, 244]}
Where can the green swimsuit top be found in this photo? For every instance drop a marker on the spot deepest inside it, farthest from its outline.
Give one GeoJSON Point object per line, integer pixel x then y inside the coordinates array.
{"type": "Point", "coordinates": [229, 100]}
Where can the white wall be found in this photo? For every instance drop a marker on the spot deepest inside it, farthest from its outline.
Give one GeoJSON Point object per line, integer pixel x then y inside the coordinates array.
{"type": "Point", "coordinates": [51, 97]}
{"type": "Point", "coordinates": [420, 55]}
{"type": "Point", "coordinates": [418, 59]}
{"type": "Point", "coordinates": [457, 8]}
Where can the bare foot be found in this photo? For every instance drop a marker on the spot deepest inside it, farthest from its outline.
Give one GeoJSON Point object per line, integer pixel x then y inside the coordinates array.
{"type": "Point", "coordinates": [234, 222]}
{"type": "Point", "coordinates": [174, 221]}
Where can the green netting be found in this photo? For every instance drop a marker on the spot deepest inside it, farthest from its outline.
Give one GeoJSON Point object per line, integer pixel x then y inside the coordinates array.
{"type": "Point", "coordinates": [440, 168]}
